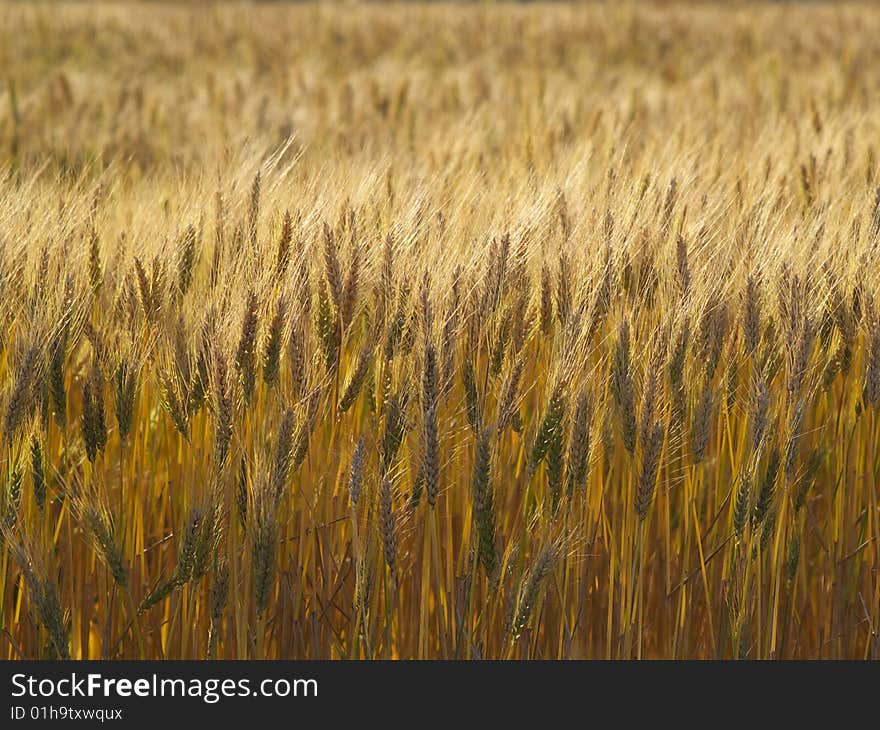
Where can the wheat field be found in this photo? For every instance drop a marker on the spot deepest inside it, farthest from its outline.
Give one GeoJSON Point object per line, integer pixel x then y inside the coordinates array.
{"type": "Point", "coordinates": [439, 331]}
